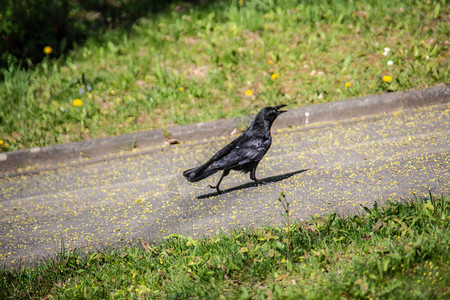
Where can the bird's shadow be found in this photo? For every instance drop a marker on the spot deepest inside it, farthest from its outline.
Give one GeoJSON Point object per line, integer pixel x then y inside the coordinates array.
{"type": "Point", "coordinates": [252, 184]}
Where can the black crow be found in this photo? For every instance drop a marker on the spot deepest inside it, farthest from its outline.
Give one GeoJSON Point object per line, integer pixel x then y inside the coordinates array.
{"type": "Point", "coordinates": [244, 153]}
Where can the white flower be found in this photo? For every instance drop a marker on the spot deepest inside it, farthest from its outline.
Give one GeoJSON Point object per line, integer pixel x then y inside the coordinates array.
{"type": "Point", "coordinates": [428, 57]}
{"type": "Point", "coordinates": [386, 51]}
{"type": "Point", "coordinates": [390, 63]}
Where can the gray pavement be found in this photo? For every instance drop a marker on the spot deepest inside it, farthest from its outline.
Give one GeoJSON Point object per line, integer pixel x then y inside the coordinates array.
{"type": "Point", "coordinates": [323, 167]}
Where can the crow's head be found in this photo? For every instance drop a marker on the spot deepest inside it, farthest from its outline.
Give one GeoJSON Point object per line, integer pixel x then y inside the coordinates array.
{"type": "Point", "coordinates": [267, 115]}
{"type": "Point", "coordinates": [277, 108]}
{"type": "Point", "coordinates": [270, 113]}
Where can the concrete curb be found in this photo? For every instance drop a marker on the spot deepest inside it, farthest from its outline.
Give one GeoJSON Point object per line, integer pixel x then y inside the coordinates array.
{"type": "Point", "coordinates": [358, 107]}
{"type": "Point", "coordinates": [334, 111]}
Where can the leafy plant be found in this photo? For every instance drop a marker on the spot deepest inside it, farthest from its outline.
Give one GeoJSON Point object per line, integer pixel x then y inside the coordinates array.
{"type": "Point", "coordinates": [287, 214]}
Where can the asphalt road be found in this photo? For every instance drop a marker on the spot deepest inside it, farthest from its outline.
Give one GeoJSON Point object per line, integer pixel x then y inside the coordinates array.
{"type": "Point", "coordinates": [322, 168]}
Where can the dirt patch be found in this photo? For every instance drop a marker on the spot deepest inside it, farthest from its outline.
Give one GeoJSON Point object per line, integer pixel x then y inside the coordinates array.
{"type": "Point", "coordinates": [198, 72]}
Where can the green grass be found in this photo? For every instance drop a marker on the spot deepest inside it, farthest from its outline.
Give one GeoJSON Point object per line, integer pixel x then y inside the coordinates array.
{"type": "Point", "coordinates": [193, 64]}
{"type": "Point", "coordinates": [398, 251]}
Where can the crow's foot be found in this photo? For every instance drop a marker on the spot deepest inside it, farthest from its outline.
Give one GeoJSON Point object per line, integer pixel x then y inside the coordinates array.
{"type": "Point", "coordinates": [259, 182]}
{"type": "Point", "coordinates": [215, 187]}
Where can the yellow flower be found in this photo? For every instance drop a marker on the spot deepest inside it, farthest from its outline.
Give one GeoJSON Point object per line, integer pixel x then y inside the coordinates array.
{"type": "Point", "coordinates": [270, 62]}
{"type": "Point", "coordinates": [77, 102]}
{"type": "Point", "coordinates": [387, 78]}
{"type": "Point", "coordinates": [181, 89]}
{"type": "Point", "coordinates": [348, 84]}
{"type": "Point", "coordinates": [112, 92]}
{"type": "Point", "coordinates": [248, 93]}
{"type": "Point", "coordinates": [1, 142]}
{"type": "Point", "coordinates": [274, 76]}
{"type": "Point", "coordinates": [48, 50]}
{"type": "Point", "coordinates": [241, 2]}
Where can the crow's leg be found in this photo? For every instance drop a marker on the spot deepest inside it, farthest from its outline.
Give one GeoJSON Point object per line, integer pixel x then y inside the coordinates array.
{"type": "Point", "coordinates": [225, 173]}
{"type": "Point", "coordinates": [253, 176]}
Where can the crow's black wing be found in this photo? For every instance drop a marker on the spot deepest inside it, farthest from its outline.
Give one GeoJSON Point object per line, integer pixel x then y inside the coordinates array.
{"type": "Point", "coordinates": [244, 150]}
{"type": "Point", "coordinates": [226, 150]}
{"type": "Point", "coordinates": [242, 153]}
{"type": "Point", "coordinates": [213, 165]}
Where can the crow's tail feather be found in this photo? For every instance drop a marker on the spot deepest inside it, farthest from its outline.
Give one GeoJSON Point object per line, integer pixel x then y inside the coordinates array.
{"type": "Point", "coordinates": [199, 173]}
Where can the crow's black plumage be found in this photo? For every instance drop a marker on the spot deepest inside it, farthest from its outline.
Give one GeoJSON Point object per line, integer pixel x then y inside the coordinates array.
{"type": "Point", "coordinates": [244, 153]}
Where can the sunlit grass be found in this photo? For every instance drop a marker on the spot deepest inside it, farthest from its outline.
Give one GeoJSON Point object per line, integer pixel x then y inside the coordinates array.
{"type": "Point", "coordinates": [225, 59]}
{"type": "Point", "coordinates": [400, 251]}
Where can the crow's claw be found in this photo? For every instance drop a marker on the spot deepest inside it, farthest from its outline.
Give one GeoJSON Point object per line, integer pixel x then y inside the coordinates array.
{"type": "Point", "coordinates": [260, 182]}
{"type": "Point", "coordinates": [215, 187]}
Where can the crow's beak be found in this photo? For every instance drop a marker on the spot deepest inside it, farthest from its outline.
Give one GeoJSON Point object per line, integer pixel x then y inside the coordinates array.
{"type": "Point", "coordinates": [279, 112]}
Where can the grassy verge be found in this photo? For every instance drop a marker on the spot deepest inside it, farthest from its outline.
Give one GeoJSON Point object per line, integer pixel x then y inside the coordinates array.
{"type": "Point", "coordinates": [224, 59]}
{"type": "Point", "coordinates": [399, 251]}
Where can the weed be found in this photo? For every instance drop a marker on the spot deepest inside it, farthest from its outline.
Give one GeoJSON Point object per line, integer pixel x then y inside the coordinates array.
{"type": "Point", "coordinates": [287, 214]}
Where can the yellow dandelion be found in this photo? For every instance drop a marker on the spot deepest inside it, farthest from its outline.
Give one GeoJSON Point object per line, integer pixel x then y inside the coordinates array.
{"type": "Point", "coordinates": [48, 50]}
{"type": "Point", "coordinates": [274, 76]}
{"type": "Point", "coordinates": [181, 89]}
{"type": "Point", "coordinates": [1, 142]}
{"type": "Point", "coordinates": [112, 92]}
{"type": "Point", "coordinates": [248, 93]}
{"type": "Point", "coordinates": [348, 84]}
{"type": "Point", "coordinates": [77, 102]}
{"type": "Point", "coordinates": [270, 62]}
{"type": "Point", "coordinates": [241, 2]}
{"type": "Point", "coordinates": [387, 78]}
